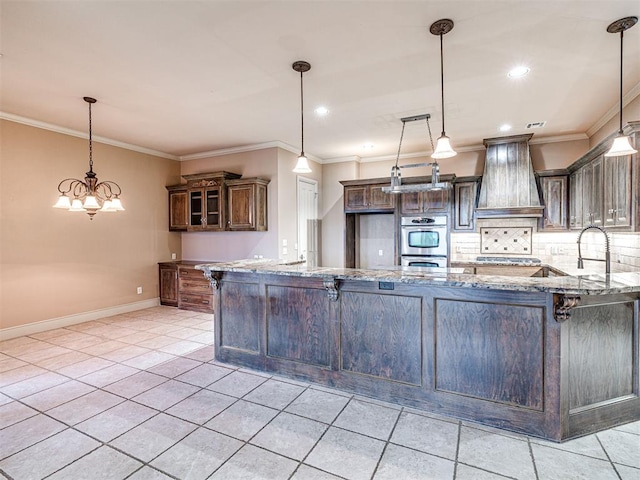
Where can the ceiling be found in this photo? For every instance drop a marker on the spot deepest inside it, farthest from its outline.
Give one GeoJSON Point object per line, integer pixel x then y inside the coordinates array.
{"type": "Point", "coordinates": [185, 77]}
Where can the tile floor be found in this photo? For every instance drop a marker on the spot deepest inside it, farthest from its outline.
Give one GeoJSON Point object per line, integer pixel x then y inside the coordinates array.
{"type": "Point", "coordinates": [139, 396]}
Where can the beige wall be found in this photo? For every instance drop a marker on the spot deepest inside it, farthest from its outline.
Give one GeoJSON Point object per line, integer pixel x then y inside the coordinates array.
{"type": "Point", "coordinates": [54, 263]}
{"type": "Point", "coordinates": [631, 112]}
{"type": "Point", "coordinates": [274, 164]}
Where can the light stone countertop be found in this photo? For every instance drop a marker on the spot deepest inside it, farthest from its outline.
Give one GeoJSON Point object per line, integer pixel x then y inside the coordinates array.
{"type": "Point", "coordinates": [588, 284]}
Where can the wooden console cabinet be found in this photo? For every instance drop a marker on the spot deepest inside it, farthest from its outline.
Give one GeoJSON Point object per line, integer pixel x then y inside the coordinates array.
{"type": "Point", "coordinates": [182, 286]}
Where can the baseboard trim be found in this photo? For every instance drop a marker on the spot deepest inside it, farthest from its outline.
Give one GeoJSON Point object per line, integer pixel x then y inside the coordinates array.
{"type": "Point", "coordinates": [44, 325]}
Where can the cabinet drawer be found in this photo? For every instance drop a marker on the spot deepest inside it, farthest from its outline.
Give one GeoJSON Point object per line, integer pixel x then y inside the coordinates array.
{"type": "Point", "coordinates": [199, 302]}
{"type": "Point", "coordinates": [191, 285]}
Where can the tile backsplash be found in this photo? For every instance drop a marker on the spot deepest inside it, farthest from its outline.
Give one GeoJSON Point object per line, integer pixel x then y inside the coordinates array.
{"type": "Point", "coordinates": [558, 247]}
{"type": "Point", "coordinates": [506, 240]}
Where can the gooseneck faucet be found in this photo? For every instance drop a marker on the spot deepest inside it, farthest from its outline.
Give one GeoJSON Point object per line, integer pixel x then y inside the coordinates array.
{"type": "Point", "coordinates": [607, 254]}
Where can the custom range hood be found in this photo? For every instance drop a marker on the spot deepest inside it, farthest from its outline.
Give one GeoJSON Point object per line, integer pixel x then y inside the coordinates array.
{"type": "Point", "coordinates": [508, 187]}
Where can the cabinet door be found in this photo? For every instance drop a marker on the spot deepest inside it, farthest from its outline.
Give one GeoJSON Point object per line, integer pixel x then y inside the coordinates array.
{"type": "Point", "coordinates": [178, 211]}
{"type": "Point", "coordinates": [378, 200]}
{"type": "Point", "coordinates": [241, 199]}
{"type": "Point", "coordinates": [597, 191]}
{"type": "Point", "coordinates": [168, 285]}
{"type": "Point", "coordinates": [355, 198]}
{"type": "Point", "coordinates": [435, 200]}
{"type": "Point", "coordinates": [554, 193]}
{"type": "Point", "coordinates": [411, 202]}
{"type": "Point", "coordinates": [617, 191]}
{"type": "Point", "coordinates": [464, 205]}
{"type": "Point", "coordinates": [212, 212]}
{"type": "Point", "coordinates": [575, 199]}
{"type": "Point", "coordinates": [196, 204]}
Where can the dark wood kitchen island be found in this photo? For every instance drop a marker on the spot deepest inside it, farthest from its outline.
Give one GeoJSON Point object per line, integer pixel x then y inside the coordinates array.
{"type": "Point", "coordinates": [555, 358]}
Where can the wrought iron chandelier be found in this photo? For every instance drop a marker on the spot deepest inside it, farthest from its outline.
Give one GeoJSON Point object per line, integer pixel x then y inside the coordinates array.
{"type": "Point", "coordinates": [621, 145]}
{"type": "Point", "coordinates": [89, 196]}
{"type": "Point", "coordinates": [302, 165]}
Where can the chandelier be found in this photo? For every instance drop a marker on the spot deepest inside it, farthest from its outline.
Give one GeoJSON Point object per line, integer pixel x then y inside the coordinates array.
{"type": "Point", "coordinates": [89, 196]}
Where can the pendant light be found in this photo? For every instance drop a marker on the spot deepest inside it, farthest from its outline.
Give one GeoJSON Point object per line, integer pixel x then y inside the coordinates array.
{"type": "Point", "coordinates": [621, 145]}
{"type": "Point", "coordinates": [89, 196]}
{"type": "Point", "coordinates": [443, 145]}
{"type": "Point", "coordinates": [302, 165]}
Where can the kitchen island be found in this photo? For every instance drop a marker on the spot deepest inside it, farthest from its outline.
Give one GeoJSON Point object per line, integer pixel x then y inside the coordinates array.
{"type": "Point", "coordinates": [553, 357]}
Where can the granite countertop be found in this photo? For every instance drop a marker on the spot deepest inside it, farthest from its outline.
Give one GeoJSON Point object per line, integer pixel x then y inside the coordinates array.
{"type": "Point", "coordinates": [589, 284]}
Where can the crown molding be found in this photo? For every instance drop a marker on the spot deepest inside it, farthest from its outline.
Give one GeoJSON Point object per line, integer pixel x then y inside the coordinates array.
{"type": "Point", "coordinates": [247, 148]}
{"type": "Point", "coordinates": [75, 133]}
{"type": "Point", "coordinates": [350, 158]}
{"type": "Point", "coordinates": [613, 111]}
{"type": "Point", "coordinates": [559, 138]}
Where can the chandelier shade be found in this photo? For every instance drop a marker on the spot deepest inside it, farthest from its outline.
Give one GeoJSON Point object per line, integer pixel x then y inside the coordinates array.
{"type": "Point", "coordinates": [89, 195]}
{"type": "Point", "coordinates": [621, 145]}
{"type": "Point", "coordinates": [302, 165]}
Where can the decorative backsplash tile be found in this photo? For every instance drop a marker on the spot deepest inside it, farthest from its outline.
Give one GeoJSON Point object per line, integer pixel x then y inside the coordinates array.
{"type": "Point", "coordinates": [505, 240]}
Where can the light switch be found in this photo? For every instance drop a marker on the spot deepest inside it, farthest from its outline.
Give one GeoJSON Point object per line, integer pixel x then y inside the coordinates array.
{"type": "Point", "coordinates": [284, 242]}
{"type": "Point", "coordinates": [380, 253]}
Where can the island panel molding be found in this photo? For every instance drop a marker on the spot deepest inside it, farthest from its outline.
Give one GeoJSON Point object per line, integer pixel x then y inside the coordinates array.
{"type": "Point", "coordinates": [481, 348]}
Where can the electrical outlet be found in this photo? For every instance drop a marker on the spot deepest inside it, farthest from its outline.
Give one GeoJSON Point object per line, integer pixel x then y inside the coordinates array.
{"type": "Point", "coordinates": [284, 250]}
{"type": "Point", "coordinates": [173, 256]}
{"type": "Point", "coordinates": [139, 290]}
{"type": "Point", "coordinates": [284, 242]}
{"type": "Point", "coordinates": [380, 253]}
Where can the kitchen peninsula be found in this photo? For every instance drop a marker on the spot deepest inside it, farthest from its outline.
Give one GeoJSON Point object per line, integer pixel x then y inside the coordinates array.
{"type": "Point", "coordinates": [551, 357]}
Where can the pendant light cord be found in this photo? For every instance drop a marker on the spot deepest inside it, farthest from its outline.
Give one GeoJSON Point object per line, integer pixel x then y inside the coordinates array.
{"type": "Point", "coordinates": [302, 113]}
{"type": "Point", "coordinates": [400, 145]}
{"type": "Point", "coordinates": [442, 82]}
{"type": "Point", "coordinates": [621, 58]}
{"type": "Point", "coordinates": [90, 143]}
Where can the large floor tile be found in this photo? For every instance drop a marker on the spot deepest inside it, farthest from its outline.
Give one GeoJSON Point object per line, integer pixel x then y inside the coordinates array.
{"type": "Point", "coordinates": [290, 435]}
{"type": "Point", "coordinates": [589, 446]}
{"type": "Point", "coordinates": [203, 354]}
{"type": "Point", "coordinates": [403, 463]}
{"type": "Point", "coordinates": [622, 447]}
{"type": "Point", "coordinates": [237, 384]}
{"type": "Point", "coordinates": [148, 360]}
{"type": "Point", "coordinates": [166, 394]}
{"type": "Point", "coordinates": [42, 353]}
{"type": "Point", "coordinates": [108, 375]}
{"type": "Point", "coordinates": [85, 407]}
{"type": "Point", "coordinates": [105, 463]}
{"type": "Point", "coordinates": [426, 434]}
{"type": "Point", "coordinates": [148, 440]}
{"type": "Point", "coordinates": [465, 472]}
{"type": "Point", "coordinates": [628, 473]}
{"type": "Point", "coordinates": [181, 347]}
{"type": "Point", "coordinates": [125, 353]}
{"type": "Point", "coordinates": [204, 375]}
{"type": "Point", "coordinates": [253, 463]}
{"type": "Point", "coordinates": [117, 420]}
{"type": "Point", "coordinates": [198, 455]}
{"type": "Point", "coordinates": [347, 454]}
{"type": "Point", "coordinates": [19, 374]}
{"type": "Point", "coordinates": [490, 451]}
{"type": "Point", "coordinates": [633, 427]}
{"type": "Point", "coordinates": [242, 420]}
{"type": "Point", "coordinates": [274, 394]}
{"type": "Point", "coordinates": [318, 405]}
{"type": "Point", "coordinates": [27, 432]}
{"type": "Point", "coordinates": [34, 385]}
{"type": "Point", "coordinates": [305, 472]}
{"type": "Point", "coordinates": [61, 361]}
{"type": "Point", "coordinates": [368, 419]}
{"type": "Point", "coordinates": [135, 384]}
{"type": "Point", "coordinates": [54, 396]}
{"type": "Point", "coordinates": [85, 367]}
{"type": "Point", "coordinates": [176, 367]}
{"type": "Point", "coordinates": [47, 456]}
{"type": "Point", "coordinates": [10, 363]}
{"type": "Point", "coordinates": [14, 412]}
{"type": "Point", "coordinates": [202, 406]}
{"type": "Point", "coordinates": [554, 464]}
{"type": "Point", "coordinates": [148, 473]}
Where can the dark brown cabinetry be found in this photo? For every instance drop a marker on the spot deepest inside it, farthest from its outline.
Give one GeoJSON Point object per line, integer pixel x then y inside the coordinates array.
{"type": "Point", "coordinates": [206, 200]}
{"type": "Point", "coordinates": [182, 286]}
{"type": "Point", "coordinates": [367, 197]}
{"type": "Point", "coordinates": [247, 204]}
{"type": "Point", "coordinates": [423, 202]}
{"type": "Point", "coordinates": [465, 194]}
{"type": "Point", "coordinates": [178, 209]}
{"type": "Point", "coordinates": [168, 281]}
{"type": "Point", "coordinates": [554, 192]}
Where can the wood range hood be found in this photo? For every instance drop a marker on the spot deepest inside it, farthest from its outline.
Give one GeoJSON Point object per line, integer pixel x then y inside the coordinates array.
{"type": "Point", "coordinates": [508, 188]}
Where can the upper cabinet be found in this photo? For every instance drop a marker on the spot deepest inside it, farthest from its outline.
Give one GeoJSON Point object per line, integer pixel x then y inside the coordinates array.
{"type": "Point", "coordinates": [465, 195]}
{"type": "Point", "coordinates": [219, 201]}
{"type": "Point", "coordinates": [424, 202]}
{"type": "Point", "coordinates": [605, 191]}
{"type": "Point", "coordinates": [360, 197]}
{"type": "Point", "coordinates": [247, 200]}
{"type": "Point", "coordinates": [555, 198]}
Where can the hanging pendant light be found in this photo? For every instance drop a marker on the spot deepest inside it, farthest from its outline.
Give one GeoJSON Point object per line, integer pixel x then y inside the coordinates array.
{"type": "Point", "coordinates": [621, 145]}
{"type": "Point", "coordinates": [89, 196]}
{"type": "Point", "coordinates": [302, 165]}
{"type": "Point", "coordinates": [443, 144]}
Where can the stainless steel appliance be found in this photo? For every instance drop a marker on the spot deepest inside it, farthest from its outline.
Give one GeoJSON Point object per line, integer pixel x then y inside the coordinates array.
{"type": "Point", "coordinates": [423, 241]}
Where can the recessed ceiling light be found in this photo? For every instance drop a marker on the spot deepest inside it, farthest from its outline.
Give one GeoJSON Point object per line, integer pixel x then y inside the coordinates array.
{"type": "Point", "coordinates": [367, 146]}
{"type": "Point", "coordinates": [519, 71]}
{"type": "Point", "coordinates": [504, 128]}
{"type": "Point", "coordinates": [322, 111]}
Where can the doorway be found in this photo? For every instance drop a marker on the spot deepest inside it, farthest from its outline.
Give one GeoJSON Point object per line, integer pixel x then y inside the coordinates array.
{"type": "Point", "coordinates": [308, 224]}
